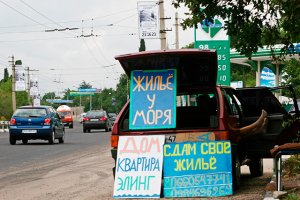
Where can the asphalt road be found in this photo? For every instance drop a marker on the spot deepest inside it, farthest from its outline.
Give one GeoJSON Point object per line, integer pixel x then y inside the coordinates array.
{"type": "Point", "coordinates": [83, 164]}
{"type": "Point", "coordinates": [40, 150]}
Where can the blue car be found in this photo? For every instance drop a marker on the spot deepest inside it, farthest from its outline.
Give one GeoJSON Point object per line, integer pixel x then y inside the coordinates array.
{"type": "Point", "coordinates": [40, 122]}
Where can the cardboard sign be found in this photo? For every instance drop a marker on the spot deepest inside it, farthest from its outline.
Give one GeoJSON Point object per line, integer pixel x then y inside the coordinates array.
{"type": "Point", "coordinates": [195, 137]}
{"type": "Point", "coordinates": [152, 99]}
{"type": "Point", "coordinates": [197, 169]}
{"type": "Point", "coordinates": [139, 167]}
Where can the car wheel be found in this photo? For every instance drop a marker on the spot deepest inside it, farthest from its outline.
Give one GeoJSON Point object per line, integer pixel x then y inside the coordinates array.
{"type": "Point", "coordinates": [84, 130]}
{"type": "Point", "coordinates": [12, 140]}
{"type": "Point", "coordinates": [24, 141]}
{"type": "Point", "coordinates": [106, 129]}
{"type": "Point", "coordinates": [256, 167]}
{"type": "Point", "coordinates": [236, 171]}
{"type": "Point", "coordinates": [62, 139]}
{"type": "Point", "coordinates": [71, 125]}
{"type": "Point", "coordinates": [52, 137]}
{"type": "Point", "coordinates": [89, 130]}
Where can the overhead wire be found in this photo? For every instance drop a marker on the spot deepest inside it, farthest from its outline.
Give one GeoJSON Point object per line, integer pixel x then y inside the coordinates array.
{"type": "Point", "coordinates": [41, 14]}
{"type": "Point", "coordinates": [45, 25]}
{"type": "Point", "coordinates": [31, 19]}
{"type": "Point", "coordinates": [69, 21]}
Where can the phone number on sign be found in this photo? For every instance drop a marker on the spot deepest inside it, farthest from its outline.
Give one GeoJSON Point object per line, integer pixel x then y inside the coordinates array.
{"type": "Point", "coordinates": [148, 34]}
{"type": "Point", "coordinates": [207, 191]}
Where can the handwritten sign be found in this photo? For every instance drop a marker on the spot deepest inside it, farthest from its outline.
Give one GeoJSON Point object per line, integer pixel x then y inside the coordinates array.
{"type": "Point", "coordinates": [152, 99]}
{"type": "Point", "coordinates": [139, 167]}
{"type": "Point", "coordinates": [197, 169]}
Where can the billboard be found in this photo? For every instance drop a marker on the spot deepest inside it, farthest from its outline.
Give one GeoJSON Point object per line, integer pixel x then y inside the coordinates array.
{"type": "Point", "coordinates": [20, 78]}
{"type": "Point", "coordinates": [267, 77]}
{"type": "Point", "coordinates": [148, 19]}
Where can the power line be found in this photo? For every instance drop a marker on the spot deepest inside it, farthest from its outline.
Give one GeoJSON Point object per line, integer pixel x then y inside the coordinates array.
{"type": "Point", "coordinates": [31, 19]}
{"type": "Point", "coordinates": [66, 22]}
{"type": "Point", "coordinates": [29, 40]}
{"type": "Point", "coordinates": [41, 14]}
{"type": "Point", "coordinates": [20, 32]}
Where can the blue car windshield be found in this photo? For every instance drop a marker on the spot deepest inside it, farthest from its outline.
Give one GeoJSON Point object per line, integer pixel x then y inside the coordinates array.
{"type": "Point", "coordinates": [32, 112]}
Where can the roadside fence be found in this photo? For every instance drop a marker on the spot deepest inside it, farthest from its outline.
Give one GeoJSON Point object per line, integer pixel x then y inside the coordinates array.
{"type": "Point", "coordinates": [4, 126]}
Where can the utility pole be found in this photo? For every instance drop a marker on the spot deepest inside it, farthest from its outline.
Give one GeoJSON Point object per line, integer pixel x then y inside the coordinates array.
{"type": "Point", "coordinates": [163, 41]}
{"type": "Point", "coordinates": [13, 88]}
{"type": "Point", "coordinates": [28, 85]}
{"type": "Point", "coordinates": [176, 31]}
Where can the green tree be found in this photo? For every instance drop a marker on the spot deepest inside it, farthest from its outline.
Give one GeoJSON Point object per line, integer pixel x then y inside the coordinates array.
{"type": "Point", "coordinates": [291, 75]}
{"type": "Point", "coordinates": [84, 85]}
{"type": "Point", "coordinates": [122, 92]}
{"type": "Point", "coordinates": [249, 23]}
{"type": "Point", "coordinates": [6, 75]}
{"type": "Point", "coordinates": [190, 46]}
{"type": "Point", "coordinates": [243, 73]}
{"type": "Point", "coordinates": [142, 45]}
{"type": "Point", "coordinates": [48, 95]}
{"type": "Point", "coordinates": [6, 99]}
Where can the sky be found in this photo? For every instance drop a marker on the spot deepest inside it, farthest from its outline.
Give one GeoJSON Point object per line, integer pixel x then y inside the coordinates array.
{"type": "Point", "coordinates": [63, 59]}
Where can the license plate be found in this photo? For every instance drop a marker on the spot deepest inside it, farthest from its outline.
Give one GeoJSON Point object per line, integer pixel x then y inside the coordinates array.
{"type": "Point", "coordinates": [94, 120]}
{"type": "Point", "coordinates": [170, 138]}
{"type": "Point", "coordinates": [28, 131]}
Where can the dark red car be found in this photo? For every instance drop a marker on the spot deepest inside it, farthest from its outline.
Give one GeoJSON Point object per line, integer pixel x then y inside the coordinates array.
{"type": "Point", "coordinates": [203, 106]}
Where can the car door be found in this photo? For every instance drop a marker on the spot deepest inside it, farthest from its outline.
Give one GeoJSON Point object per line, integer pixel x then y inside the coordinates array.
{"type": "Point", "coordinates": [58, 124]}
{"type": "Point", "coordinates": [254, 101]}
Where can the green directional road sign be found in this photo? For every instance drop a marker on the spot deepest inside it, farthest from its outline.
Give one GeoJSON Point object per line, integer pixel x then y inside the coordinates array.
{"type": "Point", "coordinates": [81, 94]}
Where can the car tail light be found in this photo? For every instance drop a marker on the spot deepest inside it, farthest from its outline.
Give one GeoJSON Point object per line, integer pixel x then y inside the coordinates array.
{"type": "Point", "coordinates": [103, 118]}
{"type": "Point", "coordinates": [47, 121]}
{"type": "Point", "coordinates": [13, 121]}
{"type": "Point", "coordinates": [85, 119]}
{"type": "Point", "coordinates": [222, 135]}
{"type": "Point", "coordinates": [114, 139]}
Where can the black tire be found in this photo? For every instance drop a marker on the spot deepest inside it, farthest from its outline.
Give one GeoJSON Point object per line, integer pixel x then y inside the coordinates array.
{"type": "Point", "coordinates": [52, 137]}
{"type": "Point", "coordinates": [62, 139]}
{"type": "Point", "coordinates": [71, 125]}
{"type": "Point", "coordinates": [236, 171]}
{"type": "Point", "coordinates": [24, 141]}
{"type": "Point", "coordinates": [12, 140]}
{"type": "Point", "coordinates": [84, 130]}
{"type": "Point", "coordinates": [89, 130]}
{"type": "Point", "coordinates": [256, 167]}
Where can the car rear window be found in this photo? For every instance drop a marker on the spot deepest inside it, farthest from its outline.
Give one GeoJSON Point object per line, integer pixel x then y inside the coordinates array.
{"type": "Point", "coordinates": [257, 99]}
{"type": "Point", "coordinates": [65, 113]}
{"type": "Point", "coordinates": [30, 112]}
{"type": "Point", "coordinates": [95, 113]}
